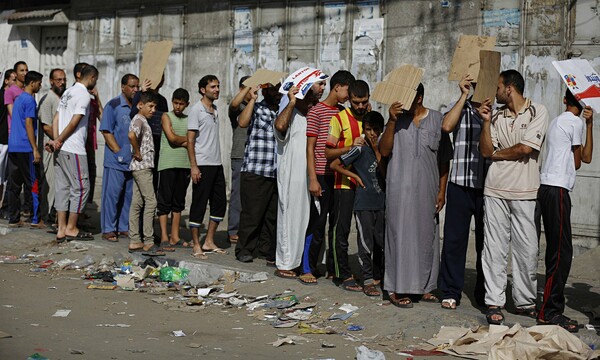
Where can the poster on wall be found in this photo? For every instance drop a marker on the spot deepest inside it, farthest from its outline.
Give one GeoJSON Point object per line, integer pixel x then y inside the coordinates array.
{"type": "Point", "coordinates": [583, 81]}
{"type": "Point", "coordinates": [368, 36]}
{"type": "Point", "coordinates": [333, 30]}
{"type": "Point", "coordinates": [242, 32]}
{"type": "Point", "coordinates": [368, 9]}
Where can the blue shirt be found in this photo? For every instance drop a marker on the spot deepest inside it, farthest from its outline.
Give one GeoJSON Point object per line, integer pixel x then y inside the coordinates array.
{"type": "Point", "coordinates": [23, 108]}
{"type": "Point", "coordinates": [364, 162]}
{"type": "Point", "coordinates": [116, 120]}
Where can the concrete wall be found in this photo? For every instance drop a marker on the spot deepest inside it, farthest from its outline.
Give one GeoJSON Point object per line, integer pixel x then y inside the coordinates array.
{"type": "Point", "coordinates": [210, 37]}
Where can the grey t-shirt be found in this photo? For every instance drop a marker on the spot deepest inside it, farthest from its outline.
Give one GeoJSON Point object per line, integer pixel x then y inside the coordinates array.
{"type": "Point", "coordinates": [206, 124]}
{"type": "Point", "coordinates": [47, 109]}
{"type": "Point", "coordinates": [240, 134]}
{"type": "Point", "coordinates": [364, 163]}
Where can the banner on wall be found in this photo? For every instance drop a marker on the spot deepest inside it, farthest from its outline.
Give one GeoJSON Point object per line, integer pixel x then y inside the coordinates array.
{"type": "Point", "coordinates": [583, 81]}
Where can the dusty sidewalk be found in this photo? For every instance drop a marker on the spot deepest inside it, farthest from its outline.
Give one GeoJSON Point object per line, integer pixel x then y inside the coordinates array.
{"type": "Point", "coordinates": [139, 326]}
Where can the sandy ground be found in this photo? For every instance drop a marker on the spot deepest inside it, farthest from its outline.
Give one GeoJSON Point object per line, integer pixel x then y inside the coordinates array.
{"type": "Point", "coordinates": [29, 299]}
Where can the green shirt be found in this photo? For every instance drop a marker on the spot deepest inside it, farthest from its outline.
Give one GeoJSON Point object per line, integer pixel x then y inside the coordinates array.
{"type": "Point", "coordinates": [171, 155]}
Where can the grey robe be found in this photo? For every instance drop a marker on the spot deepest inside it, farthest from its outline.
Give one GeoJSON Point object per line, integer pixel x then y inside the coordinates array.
{"type": "Point", "coordinates": [412, 247]}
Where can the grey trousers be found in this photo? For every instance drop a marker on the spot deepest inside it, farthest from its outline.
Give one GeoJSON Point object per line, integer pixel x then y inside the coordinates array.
{"type": "Point", "coordinates": [48, 187]}
{"type": "Point", "coordinates": [142, 198]}
{"type": "Point", "coordinates": [72, 183]}
{"type": "Point", "coordinates": [510, 223]}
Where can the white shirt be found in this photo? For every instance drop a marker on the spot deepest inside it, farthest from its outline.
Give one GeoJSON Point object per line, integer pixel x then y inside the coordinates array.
{"type": "Point", "coordinates": [74, 101]}
{"type": "Point", "coordinates": [206, 124]}
{"type": "Point", "coordinates": [558, 168]}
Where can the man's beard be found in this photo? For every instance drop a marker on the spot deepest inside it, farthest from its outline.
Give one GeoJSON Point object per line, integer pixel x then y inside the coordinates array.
{"type": "Point", "coordinates": [59, 90]}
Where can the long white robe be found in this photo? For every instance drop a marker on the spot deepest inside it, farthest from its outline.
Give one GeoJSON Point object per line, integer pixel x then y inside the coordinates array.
{"type": "Point", "coordinates": [293, 210]}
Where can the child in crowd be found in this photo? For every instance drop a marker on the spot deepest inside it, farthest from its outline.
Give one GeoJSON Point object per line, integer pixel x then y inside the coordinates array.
{"type": "Point", "coordinates": [173, 169]}
{"type": "Point", "coordinates": [369, 202]}
{"type": "Point", "coordinates": [142, 162]}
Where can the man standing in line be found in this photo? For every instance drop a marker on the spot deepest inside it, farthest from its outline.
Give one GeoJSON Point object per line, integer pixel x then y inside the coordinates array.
{"type": "Point", "coordinates": [320, 175]}
{"type": "Point", "coordinates": [238, 144]}
{"type": "Point", "coordinates": [117, 181]}
{"type": "Point", "coordinates": [344, 133]}
{"type": "Point", "coordinates": [23, 153]}
{"type": "Point", "coordinates": [563, 155]}
{"type": "Point", "coordinates": [208, 178]}
{"type": "Point", "coordinates": [46, 110]}
{"type": "Point", "coordinates": [258, 185]}
{"type": "Point", "coordinates": [72, 179]}
{"type": "Point", "coordinates": [464, 199]}
{"type": "Point", "coordinates": [511, 137]}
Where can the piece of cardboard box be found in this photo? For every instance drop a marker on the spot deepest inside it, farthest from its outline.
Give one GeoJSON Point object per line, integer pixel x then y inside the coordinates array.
{"type": "Point", "coordinates": [466, 55]}
{"type": "Point", "coordinates": [399, 85]}
{"type": "Point", "coordinates": [487, 81]}
{"type": "Point", "coordinates": [263, 77]}
{"type": "Point", "coordinates": [154, 60]}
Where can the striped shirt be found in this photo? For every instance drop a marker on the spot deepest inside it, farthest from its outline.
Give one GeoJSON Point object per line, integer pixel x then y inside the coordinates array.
{"type": "Point", "coordinates": [259, 156]}
{"type": "Point", "coordinates": [343, 129]}
{"type": "Point", "coordinates": [317, 126]}
{"type": "Point", "coordinates": [173, 156]}
{"type": "Point", "coordinates": [468, 165]}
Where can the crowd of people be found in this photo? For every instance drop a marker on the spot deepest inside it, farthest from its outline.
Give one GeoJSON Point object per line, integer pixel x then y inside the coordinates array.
{"type": "Point", "coordinates": [302, 169]}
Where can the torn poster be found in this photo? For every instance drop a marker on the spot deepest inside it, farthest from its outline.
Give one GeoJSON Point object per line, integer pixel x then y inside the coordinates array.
{"type": "Point", "coordinates": [368, 36]}
{"type": "Point", "coordinates": [242, 32]}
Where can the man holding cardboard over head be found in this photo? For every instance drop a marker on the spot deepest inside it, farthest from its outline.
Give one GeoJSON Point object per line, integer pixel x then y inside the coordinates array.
{"type": "Point", "coordinates": [467, 175]}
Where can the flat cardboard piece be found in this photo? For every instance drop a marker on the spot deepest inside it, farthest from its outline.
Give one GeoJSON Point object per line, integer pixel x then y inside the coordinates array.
{"type": "Point", "coordinates": [466, 55]}
{"type": "Point", "coordinates": [487, 81]}
{"type": "Point", "coordinates": [154, 60]}
{"type": "Point", "coordinates": [582, 80]}
{"type": "Point", "coordinates": [399, 85]}
{"type": "Point", "coordinates": [263, 77]}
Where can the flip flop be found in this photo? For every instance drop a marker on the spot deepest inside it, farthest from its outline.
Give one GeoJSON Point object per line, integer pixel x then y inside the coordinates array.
{"type": "Point", "coordinates": [131, 251]}
{"type": "Point", "coordinates": [110, 236]}
{"type": "Point", "coordinates": [60, 240]}
{"type": "Point", "coordinates": [179, 244]}
{"type": "Point", "coordinates": [153, 251]}
{"type": "Point", "coordinates": [285, 274]}
{"type": "Point", "coordinates": [200, 256]}
{"type": "Point", "coordinates": [81, 236]}
{"type": "Point", "coordinates": [233, 239]}
{"type": "Point", "coordinates": [215, 251]}
{"type": "Point", "coordinates": [307, 279]}
{"type": "Point", "coordinates": [167, 248]}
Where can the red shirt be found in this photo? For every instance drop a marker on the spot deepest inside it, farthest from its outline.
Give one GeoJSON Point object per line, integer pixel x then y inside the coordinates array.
{"type": "Point", "coordinates": [317, 126]}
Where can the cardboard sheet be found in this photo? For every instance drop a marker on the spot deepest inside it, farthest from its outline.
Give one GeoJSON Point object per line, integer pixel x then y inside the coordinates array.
{"type": "Point", "coordinates": [466, 55]}
{"type": "Point", "coordinates": [487, 81]}
{"type": "Point", "coordinates": [263, 77]}
{"type": "Point", "coordinates": [154, 60]}
{"type": "Point", "coordinates": [399, 85]}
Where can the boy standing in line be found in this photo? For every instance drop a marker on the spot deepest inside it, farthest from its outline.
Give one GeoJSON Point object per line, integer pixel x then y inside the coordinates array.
{"type": "Point", "coordinates": [142, 163]}
{"type": "Point", "coordinates": [369, 202]}
{"type": "Point", "coordinates": [173, 169]}
{"type": "Point", "coordinates": [563, 155]}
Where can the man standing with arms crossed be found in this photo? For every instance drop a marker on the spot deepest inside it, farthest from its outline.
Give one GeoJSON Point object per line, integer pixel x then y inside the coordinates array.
{"type": "Point", "coordinates": [511, 137]}
{"type": "Point", "coordinates": [72, 178]}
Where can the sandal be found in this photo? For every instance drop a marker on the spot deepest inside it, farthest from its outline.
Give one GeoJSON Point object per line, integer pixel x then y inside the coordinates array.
{"type": "Point", "coordinates": [307, 279]}
{"type": "Point", "coordinates": [110, 236]}
{"type": "Point", "coordinates": [351, 285]}
{"type": "Point", "coordinates": [233, 239]}
{"type": "Point", "coordinates": [215, 251]}
{"type": "Point", "coordinates": [449, 304]}
{"type": "Point", "coordinates": [530, 312]}
{"type": "Point", "coordinates": [371, 290]}
{"type": "Point", "coordinates": [285, 274]}
{"type": "Point", "coordinates": [200, 256]}
{"type": "Point", "coordinates": [179, 244]}
{"type": "Point", "coordinates": [560, 320]}
{"type": "Point", "coordinates": [494, 311]}
{"type": "Point", "coordinates": [153, 251]}
{"type": "Point", "coordinates": [81, 236]}
{"type": "Point", "coordinates": [403, 303]}
{"type": "Point", "coordinates": [429, 297]}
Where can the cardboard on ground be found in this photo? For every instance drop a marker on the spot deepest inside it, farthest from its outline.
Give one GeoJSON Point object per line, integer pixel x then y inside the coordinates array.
{"type": "Point", "coordinates": [466, 55]}
{"type": "Point", "coordinates": [154, 60]}
{"type": "Point", "coordinates": [399, 85]}
{"type": "Point", "coordinates": [487, 81]}
{"type": "Point", "coordinates": [264, 76]}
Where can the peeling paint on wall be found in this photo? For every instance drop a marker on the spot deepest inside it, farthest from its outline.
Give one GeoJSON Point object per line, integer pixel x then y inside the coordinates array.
{"type": "Point", "coordinates": [268, 48]}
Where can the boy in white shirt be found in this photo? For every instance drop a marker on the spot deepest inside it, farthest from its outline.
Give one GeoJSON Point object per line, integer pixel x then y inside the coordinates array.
{"type": "Point", "coordinates": [563, 155]}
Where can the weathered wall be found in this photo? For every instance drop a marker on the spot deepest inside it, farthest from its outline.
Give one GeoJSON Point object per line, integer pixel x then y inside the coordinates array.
{"type": "Point", "coordinates": [233, 38]}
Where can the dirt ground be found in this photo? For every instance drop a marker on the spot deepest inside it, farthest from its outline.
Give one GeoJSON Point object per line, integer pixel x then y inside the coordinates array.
{"type": "Point", "coordinates": [142, 327]}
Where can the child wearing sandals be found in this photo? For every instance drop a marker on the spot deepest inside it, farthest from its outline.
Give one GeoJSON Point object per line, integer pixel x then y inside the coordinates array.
{"type": "Point", "coordinates": [142, 162]}
{"type": "Point", "coordinates": [173, 170]}
{"type": "Point", "coordinates": [369, 202]}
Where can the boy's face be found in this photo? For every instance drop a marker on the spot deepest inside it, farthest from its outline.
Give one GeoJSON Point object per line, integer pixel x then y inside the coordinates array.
{"type": "Point", "coordinates": [371, 133]}
{"type": "Point", "coordinates": [342, 93]}
{"type": "Point", "coordinates": [179, 106]}
{"type": "Point", "coordinates": [147, 109]}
